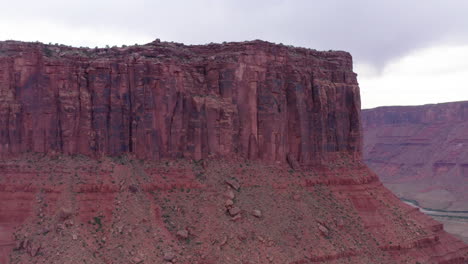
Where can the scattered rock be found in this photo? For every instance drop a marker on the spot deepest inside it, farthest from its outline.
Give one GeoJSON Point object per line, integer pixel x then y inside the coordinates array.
{"type": "Point", "coordinates": [236, 218]}
{"type": "Point", "coordinates": [257, 213]}
{"type": "Point", "coordinates": [35, 248]}
{"type": "Point", "coordinates": [137, 260]}
{"type": "Point", "coordinates": [120, 229]}
{"type": "Point", "coordinates": [69, 223]}
{"type": "Point", "coordinates": [133, 188]}
{"type": "Point", "coordinates": [19, 245]}
{"type": "Point", "coordinates": [233, 211]}
{"type": "Point", "coordinates": [323, 230]}
{"type": "Point", "coordinates": [204, 164]}
{"type": "Point", "coordinates": [169, 256]}
{"type": "Point", "coordinates": [261, 239]}
{"type": "Point", "coordinates": [31, 248]}
{"type": "Point", "coordinates": [229, 203]}
{"type": "Point", "coordinates": [296, 197]}
{"type": "Point", "coordinates": [182, 234]}
{"type": "Point", "coordinates": [292, 161]}
{"type": "Point", "coordinates": [224, 241]}
{"type": "Point", "coordinates": [270, 243]}
{"type": "Point", "coordinates": [59, 228]}
{"type": "Point", "coordinates": [242, 236]}
{"type": "Point", "coordinates": [229, 194]}
{"type": "Point", "coordinates": [233, 183]}
{"type": "Point", "coordinates": [65, 213]}
{"type": "Point", "coordinates": [339, 223]}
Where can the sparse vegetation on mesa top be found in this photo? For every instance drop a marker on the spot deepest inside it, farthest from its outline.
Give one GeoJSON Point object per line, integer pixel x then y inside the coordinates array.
{"type": "Point", "coordinates": [175, 49]}
{"type": "Point", "coordinates": [97, 221]}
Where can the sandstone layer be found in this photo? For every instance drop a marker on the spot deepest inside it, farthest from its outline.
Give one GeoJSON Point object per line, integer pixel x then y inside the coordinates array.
{"type": "Point", "coordinates": [421, 149]}
{"type": "Point", "coordinates": [421, 154]}
{"type": "Point", "coordinates": [165, 153]}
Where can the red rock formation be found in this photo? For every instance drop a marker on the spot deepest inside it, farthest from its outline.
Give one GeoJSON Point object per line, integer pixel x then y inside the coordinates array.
{"type": "Point", "coordinates": [164, 100]}
{"type": "Point", "coordinates": [421, 151]}
{"type": "Point", "coordinates": [128, 211]}
{"type": "Point", "coordinates": [277, 128]}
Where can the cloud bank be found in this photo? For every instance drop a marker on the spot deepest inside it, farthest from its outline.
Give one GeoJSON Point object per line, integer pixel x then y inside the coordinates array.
{"type": "Point", "coordinates": [375, 32]}
{"type": "Point", "coordinates": [378, 33]}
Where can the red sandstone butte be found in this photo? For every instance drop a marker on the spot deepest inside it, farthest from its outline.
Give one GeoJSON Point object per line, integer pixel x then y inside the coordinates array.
{"type": "Point", "coordinates": [107, 154]}
{"type": "Point", "coordinates": [166, 100]}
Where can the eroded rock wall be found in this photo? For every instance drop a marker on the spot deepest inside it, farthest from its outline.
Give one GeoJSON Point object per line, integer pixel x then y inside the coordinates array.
{"type": "Point", "coordinates": [164, 100]}
{"type": "Point", "coordinates": [421, 152]}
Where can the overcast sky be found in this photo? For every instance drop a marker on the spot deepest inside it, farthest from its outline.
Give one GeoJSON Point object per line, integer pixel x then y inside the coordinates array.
{"type": "Point", "coordinates": [406, 52]}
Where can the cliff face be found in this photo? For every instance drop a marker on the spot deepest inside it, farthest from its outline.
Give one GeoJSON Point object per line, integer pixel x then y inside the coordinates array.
{"type": "Point", "coordinates": [416, 115]}
{"type": "Point", "coordinates": [165, 100]}
{"type": "Point", "coordinates": [421, 152]}
{"type": "Point", "coordinates": [185, 151]}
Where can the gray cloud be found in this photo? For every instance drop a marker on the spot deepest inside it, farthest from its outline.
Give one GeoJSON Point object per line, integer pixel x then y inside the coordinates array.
{"type": "Point", "coordinates": [374, 31]}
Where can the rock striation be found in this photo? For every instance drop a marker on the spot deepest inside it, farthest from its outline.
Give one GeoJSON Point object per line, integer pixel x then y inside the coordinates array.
{"type": "Point", "coordinates": [165, 153]}
{"type": "Point", "coordinates": [165, 100]}
{"type": "Point", "coordinates": [421, 154]}
{"type": "Point", "coordinates": [422, 149]}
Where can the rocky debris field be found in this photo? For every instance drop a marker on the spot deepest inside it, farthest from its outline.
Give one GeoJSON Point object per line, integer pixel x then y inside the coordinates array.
{"type": "Point", "coordinates": [59, 209]}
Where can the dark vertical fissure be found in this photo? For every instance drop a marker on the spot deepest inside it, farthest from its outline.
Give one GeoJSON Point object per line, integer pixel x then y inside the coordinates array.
{"type": "Point", "coordinates": [7, 130]}
{"type": "Point", "coordinates": [259, 116]}
{"type": "Point", "coordinates": [314, 135]}
{"type": "Point", "coordinates": [130, 109]}
{"type": "Point", "coordinates": [59, 121]}
{"type": "Point", "coordinates": [354, 124]}
{"type": "Point", "coordinates": [93, 126]}
{"type": "Point", "coordinates": [108, 113]}
{"type": "Point", "coordinates": [172, 120]}
{"type": "Point", "coordinates": [76, 129]}
{"type": "Point", "coordinates": [19, 121]}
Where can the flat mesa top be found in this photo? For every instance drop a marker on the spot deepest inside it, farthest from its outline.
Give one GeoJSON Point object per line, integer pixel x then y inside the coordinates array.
{"type": "Point", "coordinates": [158, 49]}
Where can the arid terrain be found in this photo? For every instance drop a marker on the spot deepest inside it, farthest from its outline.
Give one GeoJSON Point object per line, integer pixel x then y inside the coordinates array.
{"type": "Point", "coordinates": [242, 153]}
{"type": "Point", "coordinates": [421, 154]}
